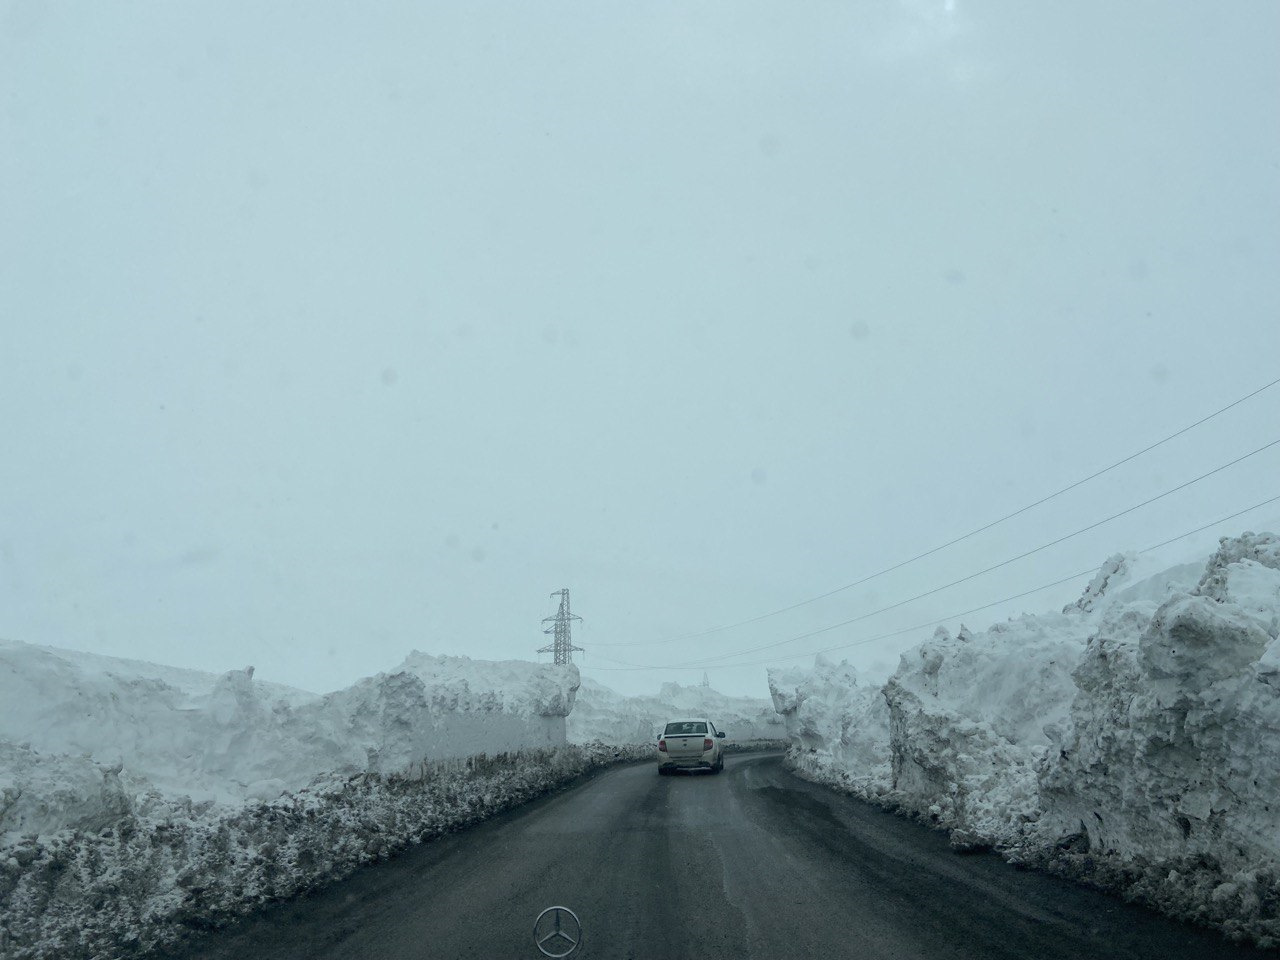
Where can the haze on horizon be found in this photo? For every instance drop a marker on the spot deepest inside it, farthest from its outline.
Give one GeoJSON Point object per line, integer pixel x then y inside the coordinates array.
{"type": "Point", "coordinates": [329, 332]}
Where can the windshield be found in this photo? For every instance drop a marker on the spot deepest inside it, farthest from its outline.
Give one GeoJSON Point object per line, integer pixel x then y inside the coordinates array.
{"type": "Point", "coordinates": [685, 728]}
{"type": "Point", "coordinates": [407, 407]}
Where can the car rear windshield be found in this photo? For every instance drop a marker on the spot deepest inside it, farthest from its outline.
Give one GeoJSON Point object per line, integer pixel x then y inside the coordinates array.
{"type": "Point", "coordinates": [685, 728]}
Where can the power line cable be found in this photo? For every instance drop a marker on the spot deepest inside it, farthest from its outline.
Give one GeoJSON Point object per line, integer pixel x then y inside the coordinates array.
{"type": "Point", "coordinates": [950, 543]}
{"type": "Point", "coordinates": [1005, 563]}
{"type": "Point", "coordinates": [880, 636]}
{"type": "Point", "coordinates": [930, 623]}
{"type": "Point", "coordinates": [707, 661]}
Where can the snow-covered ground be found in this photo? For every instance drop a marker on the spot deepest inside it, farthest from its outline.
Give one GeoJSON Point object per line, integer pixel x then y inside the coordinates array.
{"type": "Point", "coordinates": [167, 867]}
{"type": "Point", "coordinates": [603, 714]}
{"type": "Point", "coordinates": [171, 797]}
{"type": "Point", "coordinates": [84, 738]}
{"type": "Point", "coordinates": [1131, 739]}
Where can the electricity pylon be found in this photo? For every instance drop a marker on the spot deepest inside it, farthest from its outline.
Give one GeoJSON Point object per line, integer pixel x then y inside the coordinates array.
{"type": "Point", "coordinates": [563, 646]}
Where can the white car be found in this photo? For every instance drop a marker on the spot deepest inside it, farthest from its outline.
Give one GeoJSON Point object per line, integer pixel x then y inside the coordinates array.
{"type": "Point", "coordinates": [690, 745]}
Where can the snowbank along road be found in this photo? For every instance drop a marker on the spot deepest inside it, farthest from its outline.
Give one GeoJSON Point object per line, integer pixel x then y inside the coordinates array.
{"type": "Point", "coordinates": [754, 862]}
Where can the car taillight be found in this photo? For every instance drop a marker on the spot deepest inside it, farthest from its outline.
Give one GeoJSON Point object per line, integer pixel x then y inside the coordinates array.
{"type": "Point", "coordinates": [707, 745]}
{"type": "Point", "coordinates": [662, 745]}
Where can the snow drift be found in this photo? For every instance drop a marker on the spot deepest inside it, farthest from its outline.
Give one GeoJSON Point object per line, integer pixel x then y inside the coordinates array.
{"type": "Point", "coordinates": [839, 729]}
{"type": "Point", "coordinates": [1131, 739]}
{"type": "Point", "coordinates": [138, 801]}
{"type": "Point", "coordinates": [156, 874]}
{"type": "Point", "coordinates": [1167, 768]}
{"type": "Point", "coordinates": [84, 737]}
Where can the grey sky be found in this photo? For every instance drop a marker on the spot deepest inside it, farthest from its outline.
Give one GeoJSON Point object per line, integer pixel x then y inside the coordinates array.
{"type": "Point", "coordinates": [332, 331]}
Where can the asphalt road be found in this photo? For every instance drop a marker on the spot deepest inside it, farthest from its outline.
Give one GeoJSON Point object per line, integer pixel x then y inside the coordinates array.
{"type": "Point", "coordinates": [753, 862]}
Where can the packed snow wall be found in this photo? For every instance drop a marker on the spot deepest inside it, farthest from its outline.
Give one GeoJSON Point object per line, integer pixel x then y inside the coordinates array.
{"type": "Point", "coordinates": [1133, 737]}
{"type": "Point", "coordinates": [83, 737]}
{"type": "Point", "coordinates": [969, 717]}
{"type": "Point", "coordinates": [602, 714]}
{"type": "Point", "coordinates": [1171, 754]}
{"type": "Point", "coordinates": [142, 882]}
{"type": "Point", "coordinates": [435, 708]}
{"type": "Point", "coordinates": [839, 728]}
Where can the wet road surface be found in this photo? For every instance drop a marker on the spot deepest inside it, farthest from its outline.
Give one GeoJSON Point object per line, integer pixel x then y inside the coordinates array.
{"type": "Point", "coordinates": [750, 863]}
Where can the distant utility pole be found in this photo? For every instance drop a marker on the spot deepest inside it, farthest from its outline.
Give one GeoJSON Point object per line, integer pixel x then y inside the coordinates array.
{"type": "Point", "coordinates": [706, 681]}
{"type": "Point", "coordinates": [563, 647]}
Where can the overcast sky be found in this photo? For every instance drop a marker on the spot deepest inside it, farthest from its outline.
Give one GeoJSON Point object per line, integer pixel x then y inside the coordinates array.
{"type": "Point", "coordinates": [332, 331]}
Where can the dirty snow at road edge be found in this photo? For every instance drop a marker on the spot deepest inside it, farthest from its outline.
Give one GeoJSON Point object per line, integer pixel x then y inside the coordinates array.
{"type": "Point", "coordinates": [1131, 739]}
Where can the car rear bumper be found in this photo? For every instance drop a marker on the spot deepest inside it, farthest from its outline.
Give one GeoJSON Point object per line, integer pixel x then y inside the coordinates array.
{"type": "Point", "coordinates": [686, 764]}
{"type": "Point", "coordinates": [705, 761]}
